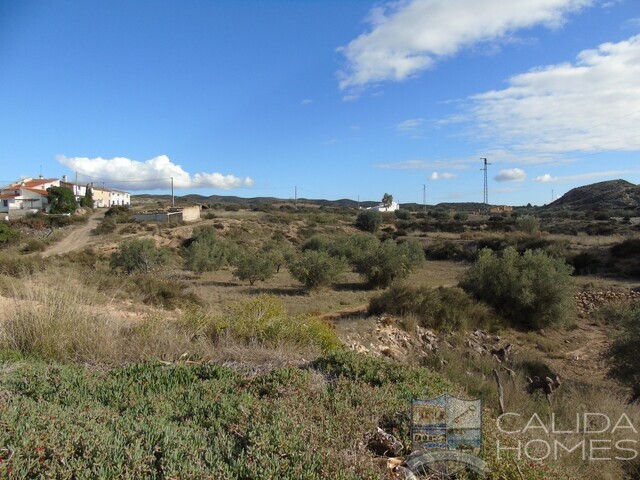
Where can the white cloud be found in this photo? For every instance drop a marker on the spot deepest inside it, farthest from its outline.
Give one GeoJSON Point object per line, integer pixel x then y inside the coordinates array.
{"type": "Point", "coordinates": [149, 175]}
{"type": "Point", "coordinates": [591, 105]}
{"type": "Point", "coordinates": [442, 176]}
{"type": "Point", "coordinates": [409, 36]}
{"type": "Point", "coordinates": [612, 174]}
{"type": "Point", "coordinates": [306, 101]}
{"type": "Point", "coordinates": [546, 178]}
{"type": "Point", "coordinates": [331, 141]}
{"type": "Point", "coordinates": [409, 125]}
{"type": "Point", "coordinates": [511, 175]}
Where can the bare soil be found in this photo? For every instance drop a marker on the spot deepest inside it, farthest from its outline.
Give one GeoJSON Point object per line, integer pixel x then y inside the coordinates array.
{"type": "Point", "coordinates": [77, 239]}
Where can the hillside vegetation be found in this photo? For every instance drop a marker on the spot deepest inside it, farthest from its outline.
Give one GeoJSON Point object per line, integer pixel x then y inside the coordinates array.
{"type": "Point", "coordinates": [204, 351]}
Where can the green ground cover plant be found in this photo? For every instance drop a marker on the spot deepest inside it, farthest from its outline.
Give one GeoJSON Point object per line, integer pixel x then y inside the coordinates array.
{"type": "Point", "coordinates": [153, 420]}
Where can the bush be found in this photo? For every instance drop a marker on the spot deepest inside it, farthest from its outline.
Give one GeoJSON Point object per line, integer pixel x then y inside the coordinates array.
{"type": "Point", "coordinates": [439, 308]}
{"type": "Point", "coordinates": [7, 235]}
{"type": "Point", "coordinates": [403, 214]}
{"type": "Point", "coordinates": [528, 224]}
{"type": "Point", "coordinates": [368, 220]}
{"type": "Point", "coordinates": [106, 226]}
{"type": "Point", "coordinates": [625, 361]}
{"type": "Point", "coordinates": [163, 292]}
{"type": "Point", "coordinates": [388, 261]}
{"type": "Point", "coordinates": [205, 252]}
{"type": "Point", "coordinates": [252, 266]}
{"type": "Point", "coordinates": [138, 255]}
{"type": "Point", "coordinates": [34, 245]}
{"type": "Point", "coordinates": [316, 269]}
{"type": "Point", "coordinates": [265, 320]}
{"type": "Point", "coordinates": [532, 290]}
{"type": "Point", "coordinates": [444, 250]}
{"type": "Point", "coordinates": [627, 248]}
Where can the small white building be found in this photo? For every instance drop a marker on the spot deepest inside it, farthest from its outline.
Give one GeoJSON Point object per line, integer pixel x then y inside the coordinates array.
{"type": "Point", "coordinates": [118, 197]}
{"type": "Point", "coordinates": [26, 195]}
{"type": "Point", "coordinates": [383, 208]}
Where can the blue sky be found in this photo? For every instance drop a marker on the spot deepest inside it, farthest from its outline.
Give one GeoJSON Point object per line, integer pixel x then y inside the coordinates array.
{"type": "Point", "coordinates": [339, 98]}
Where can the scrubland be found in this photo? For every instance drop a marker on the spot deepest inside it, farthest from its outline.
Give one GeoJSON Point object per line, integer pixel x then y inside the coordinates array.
{"type": "Point", "coordinates": [170, 351]}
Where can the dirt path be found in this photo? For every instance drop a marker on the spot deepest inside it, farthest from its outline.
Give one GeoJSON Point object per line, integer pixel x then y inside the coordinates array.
{"type": "Point", "coordinates": [77, 239]}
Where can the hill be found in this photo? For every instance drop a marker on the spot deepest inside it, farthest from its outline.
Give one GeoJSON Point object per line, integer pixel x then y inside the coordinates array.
{"type": "Point", "coordinates": [609, 195]}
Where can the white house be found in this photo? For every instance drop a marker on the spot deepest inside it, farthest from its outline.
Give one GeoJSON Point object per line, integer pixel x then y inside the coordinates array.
{"type": "Point", "coordinates": [118, 197]}
{"type": "Point", "coordinates": [26, 195]}
{"type": "Point", "coordinates": [383, 208]}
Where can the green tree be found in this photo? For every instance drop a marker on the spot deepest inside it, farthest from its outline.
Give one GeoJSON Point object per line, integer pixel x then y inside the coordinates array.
{"type": "Point", "coordinates": [138, 255]}
{"type": "Point", "coordinates": [206, 252]}
{"type": "Point", "coordinates": [61, 200]}
{"type": "Point", "coordinates": [388, 261]}
{"type": "Point", "coordinates": [533, 290]}
{"type": "Point", "coordinates": [316, 268]}
{"type": "Point", "coordinates": [387, 200]}
{"type": "Point", "coordinates": [368, 220]}
{"type": "Point", "coordinates": [87, 200]}
{"type": "Point", "coordinates": [252, 265]}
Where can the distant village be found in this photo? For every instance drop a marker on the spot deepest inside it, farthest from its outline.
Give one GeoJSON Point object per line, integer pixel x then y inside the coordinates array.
{"type": "Point", "coordinates": [29, 195]}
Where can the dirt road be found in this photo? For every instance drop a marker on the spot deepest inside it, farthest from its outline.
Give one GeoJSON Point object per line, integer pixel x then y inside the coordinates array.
{"type": "Point", "coordinates": [77, 239]}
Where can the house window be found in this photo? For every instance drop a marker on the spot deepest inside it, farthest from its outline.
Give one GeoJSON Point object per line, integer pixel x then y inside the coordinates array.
{"type": "Point", "coordinates": [5, 203]}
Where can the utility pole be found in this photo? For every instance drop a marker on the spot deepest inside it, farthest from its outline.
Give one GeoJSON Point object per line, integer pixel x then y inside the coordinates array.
{"type": "Point", "coordinates": [552, 195]}
{"type": "Point", "coordinates": [295, 197]}
{"type": "Point", "coordinates": [486, 186]}
{"type": "Point", "coordinates": [358, 202]}
{"type": "Point", "coordinates": [76, 177]}
{"type": "Point", "coordinates": [173, 199]}
{"type": "Point", "coordinates": [424, 197]}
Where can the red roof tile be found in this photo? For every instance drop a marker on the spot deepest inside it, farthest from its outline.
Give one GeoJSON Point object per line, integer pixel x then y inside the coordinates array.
{"type": "Point", "coordinates": [33, 183]}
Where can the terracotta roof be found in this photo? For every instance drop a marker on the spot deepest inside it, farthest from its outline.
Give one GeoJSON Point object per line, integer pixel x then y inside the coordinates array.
{"type": "Point", "coordinates": [37, 190]}
{"type": "Point", "coordinates": [33, 182]}
{"type": "Point", "coordinates": [6, 195]}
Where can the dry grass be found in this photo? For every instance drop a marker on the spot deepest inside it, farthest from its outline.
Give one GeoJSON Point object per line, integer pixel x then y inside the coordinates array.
{"type": "Point", "coordinates": [53, 317]}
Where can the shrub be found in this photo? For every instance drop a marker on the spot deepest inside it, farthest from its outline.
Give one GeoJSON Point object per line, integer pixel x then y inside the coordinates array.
{"type": "Point", "coordinates": [528, 224]}
{"type": "Point", "coordinates": [625, 361]}
{"type": "Point", "coordinates": [34, 245]}
{"type": "Point", "coordinates": [368, 220]}
{"type": "Point", "coordinates": [440, 308]}
{"type": "Point", "coordinates": [138, 255]}
{"type": "Point", "coordinates": [316, 269]}
{"type": "Point", "coordinates": [444, 250]}
{"type": "Point", "coordinates": [265, 320]}
{"type": "Point", "coordinates": [7, 235]}
{"type": "Point", "coordinates": [106, 226]}
{"type": "Point", "coordinates": [532, 290]}
{"type": "Point", "coordinates": [403, 214]}
{"type": "Point", "coordinates": [206, 252]}
{"type": "Point", "coordinates": [163, 292]}
{"type": "Point", "coordinates": [585, 263]}
{"type": "Point", "coordinates": [628, 248]}
{"type": "Point", "coordinates": [317, 243]}
{"type": "Point", "coordinates": [389, 261]}
{"type": "Point", "coordinates": [252, 266]}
